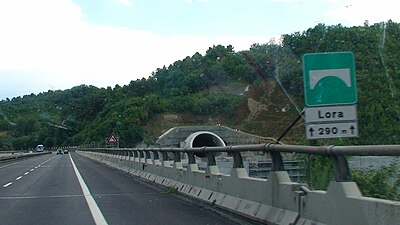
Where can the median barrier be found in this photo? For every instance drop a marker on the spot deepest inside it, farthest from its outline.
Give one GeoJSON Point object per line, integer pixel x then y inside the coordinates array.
{"type": "Point", "coordinates": [19, 155]}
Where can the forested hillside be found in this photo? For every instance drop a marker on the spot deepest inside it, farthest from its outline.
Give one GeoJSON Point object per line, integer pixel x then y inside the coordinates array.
{"type": "Point", "coordinates": [259, 91]}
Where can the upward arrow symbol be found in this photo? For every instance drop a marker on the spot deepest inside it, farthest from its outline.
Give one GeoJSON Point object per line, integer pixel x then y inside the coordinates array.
{"type": "Point", "coordinates": [311, 131]}
{"type": "Point", "coordinates": [352, 128]}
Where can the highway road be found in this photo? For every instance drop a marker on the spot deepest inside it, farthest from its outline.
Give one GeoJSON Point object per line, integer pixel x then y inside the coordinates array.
{"type": "Point", "coordinates": [71, 189]}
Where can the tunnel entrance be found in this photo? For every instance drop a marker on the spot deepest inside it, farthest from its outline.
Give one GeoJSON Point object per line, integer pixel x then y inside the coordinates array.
{"type": "Point", "coordinates": [203, 139]}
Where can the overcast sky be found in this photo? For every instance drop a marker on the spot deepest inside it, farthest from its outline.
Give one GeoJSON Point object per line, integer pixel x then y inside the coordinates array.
{"type": "Point", "coordinates": [58, 44]}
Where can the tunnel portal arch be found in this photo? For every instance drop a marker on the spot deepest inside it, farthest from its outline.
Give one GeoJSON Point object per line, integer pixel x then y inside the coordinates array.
{"type": "Point", "coordinates": [203, 139]}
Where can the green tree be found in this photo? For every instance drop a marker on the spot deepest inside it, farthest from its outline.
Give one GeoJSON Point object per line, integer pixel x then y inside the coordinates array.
{"type": "Point", "coordinates": [383, 182]}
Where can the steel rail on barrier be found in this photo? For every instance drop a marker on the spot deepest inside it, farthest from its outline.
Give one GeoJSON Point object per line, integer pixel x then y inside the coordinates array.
{"type": "Point", "coordinates": [20, 155]}
{"type": "Point", "coordinates": [336, 153]}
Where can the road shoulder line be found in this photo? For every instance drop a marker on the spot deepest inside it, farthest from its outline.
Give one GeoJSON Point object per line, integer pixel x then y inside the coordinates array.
{"type": "Point", "coordinates": [94, 208]}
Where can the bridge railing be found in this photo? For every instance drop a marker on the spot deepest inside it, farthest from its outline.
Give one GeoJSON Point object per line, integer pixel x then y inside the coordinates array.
{"type": "Point", "coordinates": [275, 200]}
{"type": "Point", "coordinates": [336, 153]}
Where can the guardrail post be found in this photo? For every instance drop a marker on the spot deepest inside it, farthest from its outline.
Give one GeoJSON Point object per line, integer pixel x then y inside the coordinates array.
{"type": "Point", "coordinates": [114, 155]}
{"type": "Point", "coordinates": [165, 159]}
{"type": "Point", "coordinates": [141, 157]}
{"type": "Point", "coordinates": [136, 156]}
{"type": "Point", "coordinates": [342, 171]}
{"type": "Point", "coordinates": [148, 158]}
{"type": "Point", "coordinates": [341, 166]}
{"type": "Point", "coordinates": [110, 158]}
{"type": "Point", "coordinates": [238, 169]}
{"type": "Point", "coordinates": [130, 155]}
{"type": "Point", "coordinates": [211, 159]}
{"type": "Point", "coordinates": [277, 161]}
{"type": "Point", "coordinates": [212, 167]}
{"type": "Point", "coordinates": [118, 158]}
{"type": "Point", "coordinates": [127, 159]}
{"type": "Point", "coordinates": [99, 155]}
{"type": "Point", "coordinates": [156, 157]}
{"type": "Point", "coordinates": [191, 158]}
{"type": "Point", "coordinates": [121, 157]}
{"type": "Point", "coordinates": [237, 160]}
{"type": "Point", "coordinates": [192, 165]}
{"type": "Point", "coordinates": [105, 156]}
{"type": "Point", "coordinates": [111, 155]}
{"type": "Point", "coordinates": [130, 160]}
{"type": "Point", "coordinates": [177, 160]}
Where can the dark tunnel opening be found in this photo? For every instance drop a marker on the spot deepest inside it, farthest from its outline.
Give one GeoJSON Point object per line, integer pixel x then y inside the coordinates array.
{"type": "Point", "coordinates": [206, 140]}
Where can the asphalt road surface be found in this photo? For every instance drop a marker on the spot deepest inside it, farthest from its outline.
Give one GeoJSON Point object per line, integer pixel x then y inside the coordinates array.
{"type": "Point", "coordinates": [71, 189]}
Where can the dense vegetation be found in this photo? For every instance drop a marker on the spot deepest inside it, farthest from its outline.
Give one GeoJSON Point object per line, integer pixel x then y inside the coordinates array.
{"type": "Point", "coordinates": [381, 182]}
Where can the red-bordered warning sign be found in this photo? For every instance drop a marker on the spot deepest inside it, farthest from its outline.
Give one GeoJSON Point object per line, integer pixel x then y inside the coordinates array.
{"type": "Point", "coordinates": [112, 139]}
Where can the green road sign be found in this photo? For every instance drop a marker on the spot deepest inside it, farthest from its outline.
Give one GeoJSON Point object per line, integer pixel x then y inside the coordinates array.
{"type": "Point", "coordinates": [329, 79]}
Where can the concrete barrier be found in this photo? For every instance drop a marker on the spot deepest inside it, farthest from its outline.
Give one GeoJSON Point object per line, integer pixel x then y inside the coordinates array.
{"type": "Point", "coordinates": [18, 155]}
{"type": "Point", "coordinates": [275, 200]}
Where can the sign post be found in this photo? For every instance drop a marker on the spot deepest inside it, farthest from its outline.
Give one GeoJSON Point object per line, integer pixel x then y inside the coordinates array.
{"type": "Point", "coordinates": [330, 94]}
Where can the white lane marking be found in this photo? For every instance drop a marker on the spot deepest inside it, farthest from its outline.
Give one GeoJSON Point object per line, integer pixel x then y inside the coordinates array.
{"type": "Point", "coordinates": [94, 208]}
{"type": "Point", "coordinates": [32, 170]}
{"type": "Point", "coordinates": [18, 178]}
{"type": "Point", "coordinates": [6, 185]}
{"type": "Point", "coordinates": [26, 173]}
{"type": "Point", "coordinates": [12, 164]}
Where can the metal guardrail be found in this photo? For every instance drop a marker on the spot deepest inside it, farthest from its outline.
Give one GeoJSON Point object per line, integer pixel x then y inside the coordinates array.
{"type": "Point", "coordinates": [16, 155]}
{"type": "Point", "coordinates": [336, 153]}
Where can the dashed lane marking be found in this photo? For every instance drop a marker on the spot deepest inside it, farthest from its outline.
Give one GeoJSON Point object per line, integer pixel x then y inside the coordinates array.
{"type": "Point", "coordinates": [6, 185]}
{"type": "Point", "coordinates": [26, 173]}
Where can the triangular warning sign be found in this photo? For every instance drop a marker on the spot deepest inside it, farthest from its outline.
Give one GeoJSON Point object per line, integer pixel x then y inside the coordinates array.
{"type": "Point", "coordinates": [112, 139]}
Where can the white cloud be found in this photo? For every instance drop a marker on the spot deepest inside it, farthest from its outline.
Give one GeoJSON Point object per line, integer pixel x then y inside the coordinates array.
{"type": "Point", "coordinates": [47, 43]}
{"type": "Point", "coordinates": [125, 2]}
{"type": "Point", "coordinates": [191, 1]}
{"type": "Point", "coordinates": [286, 1]}
{"type": "Point", "coordinates": [355, 12]}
